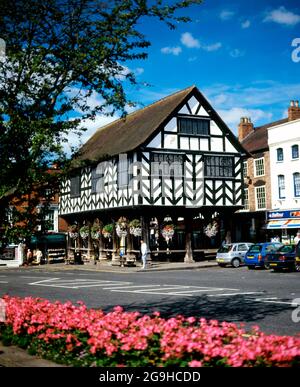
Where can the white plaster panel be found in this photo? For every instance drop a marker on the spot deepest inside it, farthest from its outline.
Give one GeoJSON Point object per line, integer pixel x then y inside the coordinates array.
{"type": "Point", "coordinates": [217, 144]}
{"type": "Point", "coordinates": [204, 144]}
{"type": "Point", "coordinates": [184, 110]}
{"type": "Point", "coordinates": [214, 129]}
{"type": "Point", "coordinates": [194, 143]}
{"type": "Point", "coordinates": [156, 142]}
{"type": "Point", "coordinates": [184, 143]}
{"type": "Point", "coordinates": [193, 104]}
{"type": "Point", "coordinates": [229, 147]}
{"type": "Point", "coordinates": [170, 141]}
{"type": "Point", "coordinates": [171, 125]}
{"type": "Point", "coordinates": [203, 112]}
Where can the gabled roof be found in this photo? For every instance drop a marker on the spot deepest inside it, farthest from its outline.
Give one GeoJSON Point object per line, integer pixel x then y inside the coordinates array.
{"type": "Point", "coordinates": [126, 134]}
{"type": "Point", "coordinates": [257, 140]}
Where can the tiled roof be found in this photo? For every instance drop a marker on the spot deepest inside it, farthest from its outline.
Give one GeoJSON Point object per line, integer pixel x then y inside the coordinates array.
{"type": "Point", "coordinates": [126, 134]}
{"type": "Point", "coordinates": [258, 139]}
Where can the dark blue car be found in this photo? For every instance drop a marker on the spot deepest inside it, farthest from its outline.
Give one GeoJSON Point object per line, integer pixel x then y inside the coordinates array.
{"type": "Point", "coordinates": [284, 258]}
{"type": "Point", "coordinates": [255, 256]}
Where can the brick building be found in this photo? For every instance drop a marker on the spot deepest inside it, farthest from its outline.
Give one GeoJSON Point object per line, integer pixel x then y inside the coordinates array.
{"type": "Point", "coordinates": [252, 220]}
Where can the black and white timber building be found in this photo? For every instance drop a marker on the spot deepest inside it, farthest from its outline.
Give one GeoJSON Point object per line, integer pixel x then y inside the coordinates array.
{"type": "Point", "coordinates": [174, 161]}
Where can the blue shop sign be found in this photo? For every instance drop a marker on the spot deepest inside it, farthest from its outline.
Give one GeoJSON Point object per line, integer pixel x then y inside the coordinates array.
{"type": "Point", "coordinates": [273, 215]}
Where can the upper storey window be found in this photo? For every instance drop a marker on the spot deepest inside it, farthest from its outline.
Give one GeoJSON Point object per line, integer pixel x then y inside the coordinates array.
{"type": "Point", "coordinates": [194, 126]}
{"type": "Point", "coordinates": [218, 166]}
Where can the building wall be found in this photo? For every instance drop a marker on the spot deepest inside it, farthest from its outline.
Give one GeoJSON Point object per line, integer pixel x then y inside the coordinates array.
{"type": "Point", "coordinates": [284, 136]}
{"type": "Point", "coordinates": [193, 188]}
{"type": "Point", "coordinates": [252, 182]}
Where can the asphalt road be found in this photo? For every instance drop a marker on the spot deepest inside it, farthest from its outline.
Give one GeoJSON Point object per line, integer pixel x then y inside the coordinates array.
{"type": "Point", "coordinates": [257, 297]}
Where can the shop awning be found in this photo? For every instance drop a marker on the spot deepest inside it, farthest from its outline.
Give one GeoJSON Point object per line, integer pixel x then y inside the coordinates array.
{"type": "Point", "coordinates": [283, 223]}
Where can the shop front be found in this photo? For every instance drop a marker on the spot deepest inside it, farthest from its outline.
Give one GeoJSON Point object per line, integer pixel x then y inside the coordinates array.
{"type": "Point", "coordinates": [283, 225]}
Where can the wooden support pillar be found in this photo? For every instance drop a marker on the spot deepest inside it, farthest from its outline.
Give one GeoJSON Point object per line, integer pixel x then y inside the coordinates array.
{"type": "Point", "coordinates": [102, 254]}
{"type": "Point", "coordinates": [188, 258]}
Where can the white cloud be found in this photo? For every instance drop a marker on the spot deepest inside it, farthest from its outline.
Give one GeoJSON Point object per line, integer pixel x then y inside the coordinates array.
{"type": "Point", "coordinates": [171, 50]}
{"type": "Point", "coordinates": [212, 47]}
{"type": "Point", "coordinates": [192, 58]}
{"type": "Point", "coordinates": [246, 24]}
{"type": "Point", "coordinates": [263, 101]}
{"type": "Point", "coordinates": [232, 116]}
{"type": "Point", "coordinates": [226, 14]}
{"type": "Point", "coordinates": [236, 53]}
{"type": "Point", "coordinates": [189, 41]}
{"type": "Point", "coordinates": [282, 16]}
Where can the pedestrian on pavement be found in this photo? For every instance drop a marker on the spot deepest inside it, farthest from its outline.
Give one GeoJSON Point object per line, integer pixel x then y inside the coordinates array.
{"type": "Point", "coordinates": [144, 251]}
{"type": "Point", "coordinates": [37, 257]}
{"type": "Point", "coordinates": [29, 257]}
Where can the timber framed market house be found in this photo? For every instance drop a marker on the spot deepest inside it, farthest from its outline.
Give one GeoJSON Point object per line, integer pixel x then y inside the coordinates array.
{"type": "Point", "coordinates": [170, 173]}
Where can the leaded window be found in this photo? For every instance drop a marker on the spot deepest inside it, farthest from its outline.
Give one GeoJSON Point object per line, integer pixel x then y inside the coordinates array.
{"type": "Point", "coordinates": [194, 126]}
{"type": "Point", "coordinates": [218, 166]}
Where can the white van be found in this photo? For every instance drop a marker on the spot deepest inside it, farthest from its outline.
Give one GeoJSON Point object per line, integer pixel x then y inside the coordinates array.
{"type": "Point", "coordinates": [232, 253]}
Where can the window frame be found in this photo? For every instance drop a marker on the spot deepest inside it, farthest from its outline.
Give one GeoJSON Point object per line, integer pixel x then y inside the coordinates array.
{"type": "Point", "coordinates": [281, 186]}
{"type": "Point", "coordinates": [246, 200]}
{"type": "Point", "coordinates": [194, 120]}
{"type": "Point", "coordinates": [208, 168]}
{"type": "Point", "coordinates": [75, 191]}
{"type": "Point", "coordinates": [256, 168]}
{"type": "Point", "coordinates": [279, 159]}
{"type": "Point", "coordinates": [257, 199]}
{"type": "Point", "coordinates": [296, 174]}
{"type": "Point", "coordinates": [293, 147]}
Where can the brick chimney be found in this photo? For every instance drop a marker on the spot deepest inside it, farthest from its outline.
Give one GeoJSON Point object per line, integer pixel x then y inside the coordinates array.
{"type": "Point", "coordinates": [294, 111]}
{"type": "Point", "coordinates": [245, 127]}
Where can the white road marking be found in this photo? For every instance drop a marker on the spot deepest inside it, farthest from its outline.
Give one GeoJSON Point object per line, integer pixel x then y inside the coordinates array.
{"type": "Point", "coordinates": [3, 282]}
{"type": "Point", "coordinates": [274, 300]}
{"type": "Point", "coordinates": [234, 294]}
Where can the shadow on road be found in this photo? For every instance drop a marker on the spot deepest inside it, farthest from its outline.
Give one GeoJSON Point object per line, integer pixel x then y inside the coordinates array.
{"type": "Point", "coordinates": [233, 309]}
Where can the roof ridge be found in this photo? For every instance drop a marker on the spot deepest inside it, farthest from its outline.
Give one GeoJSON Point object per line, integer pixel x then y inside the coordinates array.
{"type": "Point", "coordinates": [146, 107]}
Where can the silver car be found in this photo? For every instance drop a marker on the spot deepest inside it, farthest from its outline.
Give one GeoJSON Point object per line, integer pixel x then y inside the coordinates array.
{"type": "Point", "coordinates": [232, 253]}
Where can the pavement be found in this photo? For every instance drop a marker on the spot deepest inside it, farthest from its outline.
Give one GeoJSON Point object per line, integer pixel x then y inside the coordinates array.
{"type": "Point", "coordinates": [12, 356]}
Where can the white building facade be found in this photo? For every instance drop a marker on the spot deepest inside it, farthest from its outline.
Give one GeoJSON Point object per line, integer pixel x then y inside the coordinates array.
{"type": "Point", "coordinates": [284, 145]}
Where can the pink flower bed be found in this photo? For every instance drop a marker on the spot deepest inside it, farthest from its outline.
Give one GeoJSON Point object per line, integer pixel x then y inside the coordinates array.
{"type": "Point", "coordinates": [151, 340]}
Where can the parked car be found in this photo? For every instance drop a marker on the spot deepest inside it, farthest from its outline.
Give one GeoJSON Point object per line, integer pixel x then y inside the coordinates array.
{"type": "Point", "coordinates": [284, 258]}
{"type": "Point", "coordinates": [232, 253]}
{"type": "Point", "coordinates": [255, 257]}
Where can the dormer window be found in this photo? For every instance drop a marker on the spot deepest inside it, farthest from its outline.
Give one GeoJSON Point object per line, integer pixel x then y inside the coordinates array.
{"type": "Point", "coordinates": [193, 126]}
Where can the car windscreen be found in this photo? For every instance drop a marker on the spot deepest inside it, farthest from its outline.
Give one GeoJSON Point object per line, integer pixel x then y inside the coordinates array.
{"type": "Point", "coordinates": [225, 249]}
{"type": "Point", "coordinates": [255, 249]}
{"type": "Point", "coordinates": [286, 249]}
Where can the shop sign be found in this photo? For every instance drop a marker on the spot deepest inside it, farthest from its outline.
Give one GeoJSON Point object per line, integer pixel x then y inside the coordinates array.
{"type": "Point", "coordinates": [272, 215]}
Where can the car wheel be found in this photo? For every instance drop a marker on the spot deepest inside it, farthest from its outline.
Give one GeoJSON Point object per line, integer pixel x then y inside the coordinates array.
{"type": "Point", "coordinates": [267, 266]}
{"type": "Point", "coordinates": [297, 266]}
{"type": "Point", "coordinates": [235, 262]}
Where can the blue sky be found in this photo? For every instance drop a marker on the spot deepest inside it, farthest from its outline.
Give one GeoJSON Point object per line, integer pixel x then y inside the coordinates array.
{"type": "Point", "coordinates": [238, 53]}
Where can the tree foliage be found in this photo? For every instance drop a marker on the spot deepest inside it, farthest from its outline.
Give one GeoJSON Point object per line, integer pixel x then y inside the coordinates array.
{"type": "Point", "coordinates": [58, 53]}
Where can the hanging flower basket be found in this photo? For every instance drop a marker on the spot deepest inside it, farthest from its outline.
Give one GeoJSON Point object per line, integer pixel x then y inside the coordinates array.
{"type": "Point", "coordinates": [107, 230]}
{"type": "Point", "coordinates": [72, 231]}
{"type": "Point", "coordinates": [95, 232]}
{"type": "Point", "coordinates": [84, 232]}
{"type": "Point", "coordinates": [121, 227]}
{"type": "Point", "coordinates": [211, 229]}
{"type": "Point", "coordinates": [135, 228]}
{"type": "Point", "coordinates": [168, 231]}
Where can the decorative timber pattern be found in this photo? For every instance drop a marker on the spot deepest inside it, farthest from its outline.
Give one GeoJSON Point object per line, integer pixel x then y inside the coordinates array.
{"type": "Point", "coordinates": [168, 169]}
